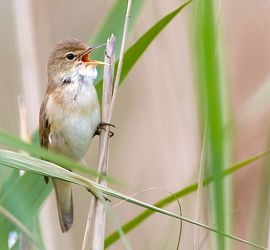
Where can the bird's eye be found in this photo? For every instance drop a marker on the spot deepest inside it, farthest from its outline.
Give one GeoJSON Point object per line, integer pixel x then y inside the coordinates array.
{"type": "Point", "coordinates": [70, 56]}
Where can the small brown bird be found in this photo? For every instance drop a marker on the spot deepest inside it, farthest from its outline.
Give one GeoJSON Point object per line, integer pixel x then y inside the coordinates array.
{"type": "Point", "coordinates": [69, 114]}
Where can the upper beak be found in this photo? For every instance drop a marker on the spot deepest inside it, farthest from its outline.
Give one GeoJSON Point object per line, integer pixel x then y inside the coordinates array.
{"type": "Point", "coordinates": [84, 57]}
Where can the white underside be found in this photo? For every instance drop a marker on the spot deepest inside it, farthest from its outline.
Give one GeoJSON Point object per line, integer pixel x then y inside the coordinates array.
{"type": "Point", "coordinates": [74, 123]}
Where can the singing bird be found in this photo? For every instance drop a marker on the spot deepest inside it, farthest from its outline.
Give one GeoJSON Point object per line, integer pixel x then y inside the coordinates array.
{"type": "Point", "coordinates": [69, 114]}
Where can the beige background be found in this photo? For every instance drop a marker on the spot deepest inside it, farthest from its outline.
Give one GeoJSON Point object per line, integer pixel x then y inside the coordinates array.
{"type": "Point", "coordinates": [157, 140]}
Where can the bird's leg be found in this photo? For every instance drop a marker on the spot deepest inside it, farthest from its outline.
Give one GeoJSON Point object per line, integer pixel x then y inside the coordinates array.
{"type": "Point", "coordinates": [46, 178]}
{"type": "Point", "coordinates": [101, 126]}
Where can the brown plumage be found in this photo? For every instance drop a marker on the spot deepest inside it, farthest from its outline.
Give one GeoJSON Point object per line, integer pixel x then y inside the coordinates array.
{"type": "Point", "coordinates": [69, 113]}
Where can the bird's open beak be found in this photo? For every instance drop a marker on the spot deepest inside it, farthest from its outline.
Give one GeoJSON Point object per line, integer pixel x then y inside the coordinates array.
{"type": "Point", "coordinates": [84, 57]}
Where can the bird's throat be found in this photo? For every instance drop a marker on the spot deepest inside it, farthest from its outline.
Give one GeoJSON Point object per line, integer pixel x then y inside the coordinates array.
{"type": "Point", "coordinates": [81, 74]}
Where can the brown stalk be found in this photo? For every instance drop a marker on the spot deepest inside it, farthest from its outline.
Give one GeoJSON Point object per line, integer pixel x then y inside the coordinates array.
{"type": "Point", "coordinates": [24, 128]}
{"type": "Point", "coordinates": [97, 210]}
{"type": "Point", "coordinates": [99, 219]}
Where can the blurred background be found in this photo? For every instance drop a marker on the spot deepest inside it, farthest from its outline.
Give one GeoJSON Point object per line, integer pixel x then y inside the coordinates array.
{"type": "Point", "coordinates": [158, 138]}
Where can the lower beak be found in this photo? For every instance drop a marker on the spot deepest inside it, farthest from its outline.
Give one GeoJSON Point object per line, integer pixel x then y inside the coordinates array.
{"type": "Point", "coordinates": [84, 57]}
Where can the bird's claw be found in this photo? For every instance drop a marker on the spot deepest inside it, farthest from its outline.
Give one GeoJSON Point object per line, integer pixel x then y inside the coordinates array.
{"type": "Point", "coordinates": [101, 126]}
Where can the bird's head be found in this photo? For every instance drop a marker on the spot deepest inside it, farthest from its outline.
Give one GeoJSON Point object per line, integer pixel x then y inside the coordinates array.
{"type": "Point", "coordinates": [69, 61]}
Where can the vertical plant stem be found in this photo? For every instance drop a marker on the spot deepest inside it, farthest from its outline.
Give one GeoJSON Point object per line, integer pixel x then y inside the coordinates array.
{"type": "Point", "coordinates": [97, 210]}
{"type": "Point", "coordinates": [121, 57]}
{"type": "Point", "coordinates": [212, 94]}
{"type": "Point", "coordinates": [100, 209]}
{"type": "Point", "coordinates": [24, 24]}
{"type": "Point", "coordinates": [24, 128]}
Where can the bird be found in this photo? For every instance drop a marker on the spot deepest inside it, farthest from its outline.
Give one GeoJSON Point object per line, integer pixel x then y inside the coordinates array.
{"type": "Point", "coordinates": [69, 114]}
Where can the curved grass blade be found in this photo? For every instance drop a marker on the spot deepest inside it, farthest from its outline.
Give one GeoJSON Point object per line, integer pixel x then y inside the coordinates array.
{"type": "Point", "coordinates": [127, 227]}
{"type": "Point", "coordinates": [133, 54]}
{"type": "Point", "coordinates": [29, 190]}
{"type": "Point", "coordinates": [28, 163]}
{"type": "Point", "coordinates": [41, 167]}
{"type": "Point", "coordinates": [34, 149]}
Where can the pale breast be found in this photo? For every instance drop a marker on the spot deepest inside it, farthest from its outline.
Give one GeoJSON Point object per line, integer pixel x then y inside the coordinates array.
{"type": "Point", "coordinates": [73, 118]}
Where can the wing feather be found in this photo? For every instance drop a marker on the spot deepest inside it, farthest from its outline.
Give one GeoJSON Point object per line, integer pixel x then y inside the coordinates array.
{"type": "Point", "coordinates": [44, 129]}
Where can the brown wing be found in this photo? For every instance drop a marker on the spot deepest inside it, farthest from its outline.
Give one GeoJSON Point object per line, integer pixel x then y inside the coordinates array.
{"type": "Point", "coordinates": [44, 126]}
{"type": "Point", "coordinates": [44, 129]}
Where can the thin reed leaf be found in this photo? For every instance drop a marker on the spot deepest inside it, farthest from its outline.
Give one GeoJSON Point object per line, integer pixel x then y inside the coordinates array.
{"type": "Point", "coordinates": [213, 106]}
{"type": "Point", "coordinates": [137, 220]}
{"type": "Point", "coordinates": [27, 163]}
{"type": "Point", "coordinates": [7, 139]}
{"type": "Point", "coordinates": [10, 217]}
{"type": "Point", "coordinates": [133, 54]}
{"type": "Point", "coordinates": [113, 24]}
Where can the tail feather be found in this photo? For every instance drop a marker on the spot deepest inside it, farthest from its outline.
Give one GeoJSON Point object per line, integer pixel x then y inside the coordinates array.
{"type": "Point", "coordinates": [64, 203]}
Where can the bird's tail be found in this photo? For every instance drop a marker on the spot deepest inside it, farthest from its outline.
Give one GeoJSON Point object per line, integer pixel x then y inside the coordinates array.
{"type": "Point", "coordinates": [64, 203]}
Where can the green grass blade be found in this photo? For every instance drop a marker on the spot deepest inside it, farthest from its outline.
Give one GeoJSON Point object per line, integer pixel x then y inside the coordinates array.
{"type": "Point", "coordinates": [113, 24]}
{"type": "Point", "coordinates": [211, 91]}
{"type": "Point", "coordinates": [8, 180]}
{"type": "Point", "coordinates": [27, 163]}
{"type": "Point", "coordinates": [133, 54]}
{"type": "Point", "coordinates": [37, 183]}
{"type": "Point", "coordinates": [118, 195]}
{"type": "Point", "coordinates": [37, 166]}
{"type": "Point", "coordinates": [127, 227]}
{"type": "Point", "coordinates": [7, 139]}
{"type": "Point", "coordinates": [10, 217]}
{"type": "Point", "coordinates": [18, 191]}
{"type": "Point", "coordinates": [23, 198]}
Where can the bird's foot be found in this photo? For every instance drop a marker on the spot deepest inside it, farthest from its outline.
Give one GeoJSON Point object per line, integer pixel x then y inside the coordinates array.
{"type": "Point", "coordinates": [101, 126]}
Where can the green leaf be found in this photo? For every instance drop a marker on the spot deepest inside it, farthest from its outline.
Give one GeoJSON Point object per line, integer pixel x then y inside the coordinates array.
{"type": "Point", "coordinates": [114, 24]}
{"type": "Point", "coordinates": [213, 106]}
{"type": "Point", "coordinates": [30, 190]}
{"type": "Point", "coordinates": [23, 198]}
{"type": "Point", "coordinates": [34, 149]}
{"type": "Point", "coordinates": [28, 163]}
{"type": "Point", "coordinates": [137, 220]}
{"type": "Point", "coordinates": [133, 54]}
{"type": "Point", "coordinates": [37, 166]}
{"type": "Point", "coordinates": [20, 226]}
